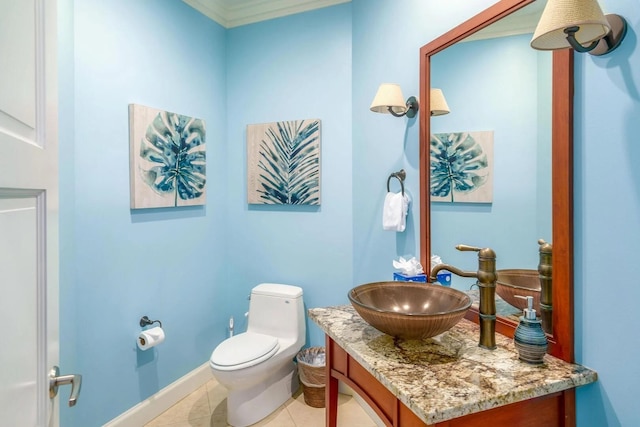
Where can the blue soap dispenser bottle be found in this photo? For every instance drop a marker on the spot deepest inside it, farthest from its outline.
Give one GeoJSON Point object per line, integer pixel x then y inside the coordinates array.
{"type": "Point", "coordinates": [529, 338]}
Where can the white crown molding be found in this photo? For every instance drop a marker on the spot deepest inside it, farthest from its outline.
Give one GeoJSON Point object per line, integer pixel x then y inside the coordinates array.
{"type": "Point", "coordinates": [523, 21]}
{"type": "Point", "coordinates": [233, 13]}
{"type": "Point", "coordinates": [212, 9]}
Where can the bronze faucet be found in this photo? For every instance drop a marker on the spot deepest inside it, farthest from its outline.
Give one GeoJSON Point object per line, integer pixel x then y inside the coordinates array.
{"type": "Point", "coordinates": [486, 276]}
{"type": "Point", "coordinates": [545, 271]}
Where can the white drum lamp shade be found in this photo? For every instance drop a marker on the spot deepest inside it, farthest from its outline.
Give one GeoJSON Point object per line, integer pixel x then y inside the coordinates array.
{"type": "Point", "coordinates": [389, 96]}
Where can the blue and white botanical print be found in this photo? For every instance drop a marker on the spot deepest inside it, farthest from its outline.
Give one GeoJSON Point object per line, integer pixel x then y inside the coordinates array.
{"type": "Point", "coordinates": [168, 159]}
{"type": "Point", "coordinates": [283, 163]}
{"type": "Point", "coordinates": [462, 167]}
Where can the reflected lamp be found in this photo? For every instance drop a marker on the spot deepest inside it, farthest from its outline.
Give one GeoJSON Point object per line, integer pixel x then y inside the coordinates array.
{"type": "Point", "coordinates": [438, 105]}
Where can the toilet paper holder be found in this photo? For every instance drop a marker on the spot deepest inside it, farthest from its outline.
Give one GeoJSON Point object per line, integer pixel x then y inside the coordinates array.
{"type": "Point", "coordinates": [145, 321]}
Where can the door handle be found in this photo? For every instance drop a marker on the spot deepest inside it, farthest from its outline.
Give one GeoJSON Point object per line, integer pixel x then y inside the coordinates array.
{"type": "Point", "coordinates": [55, 380]}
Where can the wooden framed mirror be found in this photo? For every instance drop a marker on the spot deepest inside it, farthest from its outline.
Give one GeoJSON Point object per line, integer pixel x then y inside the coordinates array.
{"type": "Point", "coordinates": [561, 336]}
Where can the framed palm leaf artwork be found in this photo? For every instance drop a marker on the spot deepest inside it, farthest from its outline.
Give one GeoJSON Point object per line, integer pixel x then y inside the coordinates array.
{"type": "Point", "coordinates": [283, 163]}
{"type": "Point", "coordinates": [462, 167]}
{"type": "Point", "coordinates": [167, 159]}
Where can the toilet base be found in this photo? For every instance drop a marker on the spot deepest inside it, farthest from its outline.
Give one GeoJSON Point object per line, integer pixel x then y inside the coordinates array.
{"type": "Point", "coordinates": [248, 406]}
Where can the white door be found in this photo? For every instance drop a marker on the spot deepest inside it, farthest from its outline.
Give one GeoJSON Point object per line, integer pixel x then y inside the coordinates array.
{"type": "Point", "coordinates": [28, 212]}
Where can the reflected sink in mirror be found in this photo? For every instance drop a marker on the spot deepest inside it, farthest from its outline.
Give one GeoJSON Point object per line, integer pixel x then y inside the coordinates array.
{"type": "Point", "coordinates": [409, 310]}
{"type": "Point", "coordinates": [523, 282]}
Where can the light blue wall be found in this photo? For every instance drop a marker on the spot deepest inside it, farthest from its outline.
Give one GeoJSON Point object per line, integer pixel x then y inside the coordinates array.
{"type": "Point", "coordinates": [325, 64]}
{"type": "Point", "coordinates": [118, 264]}
{"type": "Point", "coordinates": [297, 67]}
{"type": "Point", "coordinates": [607, 226]}
{"type": "Point", "coordinates": [387, 37]}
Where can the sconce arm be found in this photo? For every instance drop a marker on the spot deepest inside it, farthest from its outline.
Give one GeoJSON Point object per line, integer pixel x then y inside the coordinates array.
{"type": "Point", "coordinates": [412, 108]}
{"type": "Point", "coordinates": [606, 44]}
{"type": "Point", "coordinates": [393, 113]}
{"type": "Point", "coordinates": [571, 38]}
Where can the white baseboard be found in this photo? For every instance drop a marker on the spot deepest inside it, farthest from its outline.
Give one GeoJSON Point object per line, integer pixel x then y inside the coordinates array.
{"type": "Point", "coordinates": [155, 405]}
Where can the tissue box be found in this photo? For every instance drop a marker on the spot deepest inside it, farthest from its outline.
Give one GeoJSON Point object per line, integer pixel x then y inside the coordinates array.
{"type": "Point", "coordinates": [444, 278]}
{"type": "Point", "coordinates": [399, 277]}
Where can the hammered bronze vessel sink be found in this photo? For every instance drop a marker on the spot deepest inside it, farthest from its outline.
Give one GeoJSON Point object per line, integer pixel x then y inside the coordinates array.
{"type": "Point", "coordinates": [523, 282]}
{"type": "Point", "coordinates": [409, 310]}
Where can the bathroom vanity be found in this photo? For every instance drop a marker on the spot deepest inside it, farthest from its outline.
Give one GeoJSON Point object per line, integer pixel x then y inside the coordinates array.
{"type": "Point", "coordinates": [446, 380]}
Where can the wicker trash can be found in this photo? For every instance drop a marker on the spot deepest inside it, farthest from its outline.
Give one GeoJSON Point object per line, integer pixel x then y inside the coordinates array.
{"type": "Point", "coordinates": [311, 365]}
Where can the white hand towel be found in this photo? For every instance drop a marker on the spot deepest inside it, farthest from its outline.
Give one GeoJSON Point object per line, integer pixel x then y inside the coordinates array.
{"type": "Point", "coordinates": [394, 211]}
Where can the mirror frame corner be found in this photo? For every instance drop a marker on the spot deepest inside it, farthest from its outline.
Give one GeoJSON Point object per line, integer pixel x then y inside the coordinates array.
{"type": "Point", "coordinates": [561, 340]}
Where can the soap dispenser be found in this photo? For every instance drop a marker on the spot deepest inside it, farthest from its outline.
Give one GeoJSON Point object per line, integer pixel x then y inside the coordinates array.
{"type": "Point", "coordinates": [529, 338]}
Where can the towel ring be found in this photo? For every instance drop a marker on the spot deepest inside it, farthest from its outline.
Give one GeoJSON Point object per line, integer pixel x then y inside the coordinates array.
{"type": "Point", "coordinates": [400, 176]}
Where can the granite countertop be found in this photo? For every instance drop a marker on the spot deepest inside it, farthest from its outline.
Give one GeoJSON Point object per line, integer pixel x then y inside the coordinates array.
{"type": "Point", "coordinates": [447, 376]}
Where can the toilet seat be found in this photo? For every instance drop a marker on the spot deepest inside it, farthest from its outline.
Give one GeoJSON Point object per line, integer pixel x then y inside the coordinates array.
{"type": "Point", "coordinates": [243, 350]}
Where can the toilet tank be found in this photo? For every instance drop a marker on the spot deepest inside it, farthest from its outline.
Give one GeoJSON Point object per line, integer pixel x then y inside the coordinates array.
{"type": "Point", "coordinates": [277, 310]}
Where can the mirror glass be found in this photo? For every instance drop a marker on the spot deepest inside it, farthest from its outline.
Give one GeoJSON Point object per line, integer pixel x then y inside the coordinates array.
{"type": "Point", "coordinates": [471, 226]}
{"type": "Point", "coordinates": [498, 134]}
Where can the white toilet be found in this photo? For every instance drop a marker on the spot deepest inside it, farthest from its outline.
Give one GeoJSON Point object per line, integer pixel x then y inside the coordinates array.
{"type": "Point", "coordinates": [257, 366]}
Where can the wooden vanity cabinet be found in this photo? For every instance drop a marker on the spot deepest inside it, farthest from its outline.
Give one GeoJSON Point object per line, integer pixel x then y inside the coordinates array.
{"type": "Point", "coordinates": [556, 409]}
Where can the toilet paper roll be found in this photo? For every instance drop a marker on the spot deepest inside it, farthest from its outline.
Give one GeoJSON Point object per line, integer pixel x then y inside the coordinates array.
{"type": "Point", "coordinates": [150, 338]}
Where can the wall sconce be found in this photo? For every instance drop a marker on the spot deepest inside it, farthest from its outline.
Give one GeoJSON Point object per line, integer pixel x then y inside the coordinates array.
{"type": "Point", "coordinates": [389, 99]}
{"type": "Point", "coordinates": [438, 105]}
{"type": "Point", "coordinates": [579, 24]}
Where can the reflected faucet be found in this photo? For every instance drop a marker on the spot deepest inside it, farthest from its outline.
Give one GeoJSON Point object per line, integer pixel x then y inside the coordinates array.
{"type": "Point", "coordinates": [545, 270]}
{"type": "Point", "coordinates": [486, 276]}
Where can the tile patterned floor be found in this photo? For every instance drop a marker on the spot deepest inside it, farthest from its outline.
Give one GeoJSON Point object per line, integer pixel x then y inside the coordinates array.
{"type": "Point", "coordinates": [207, 407]}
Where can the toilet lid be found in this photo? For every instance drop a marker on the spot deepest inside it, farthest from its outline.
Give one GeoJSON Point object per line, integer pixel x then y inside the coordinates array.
{"type": "Point", "coordinates": [244, 350]}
